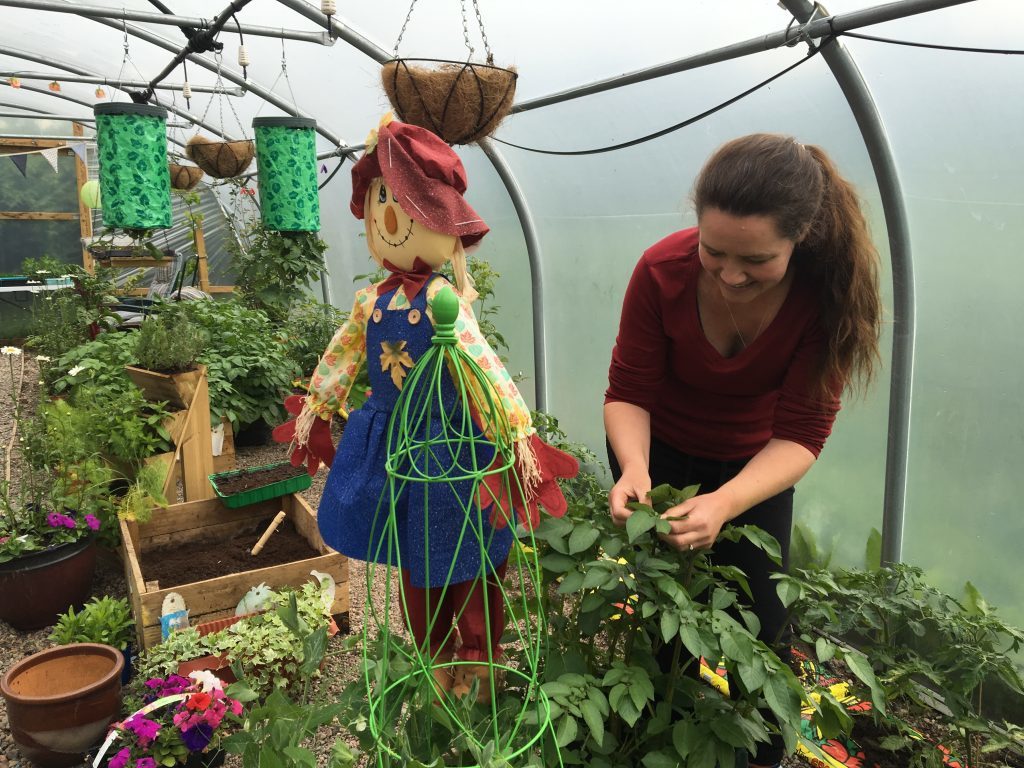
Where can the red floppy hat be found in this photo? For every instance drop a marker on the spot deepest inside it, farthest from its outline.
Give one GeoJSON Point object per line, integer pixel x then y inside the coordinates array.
{"type": "Point", "coordinates": [425, 175]}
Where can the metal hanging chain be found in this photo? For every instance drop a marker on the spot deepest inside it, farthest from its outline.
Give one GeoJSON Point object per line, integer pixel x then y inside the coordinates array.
{"type": "Point", "coordinates": [127, 55]}
{"type": "Point", "coordinates": [483, 34]}
{"type": "Point", "coordinates": [282, 73]}
{"type": "Point", "coordinates": [405, 24]}
{"type": "Point", "coordinates": [219, 95]}
{"type": "Point", "coordinates": [124, 58]}
{"type": "Point", "coordinates": [465, 29]}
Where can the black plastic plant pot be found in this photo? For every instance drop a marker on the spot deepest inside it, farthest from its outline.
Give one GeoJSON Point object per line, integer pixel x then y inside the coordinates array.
{"type": "Point", "coordinates": [286, 159]}
{"type": "Point", "coordinates": [135, 188]}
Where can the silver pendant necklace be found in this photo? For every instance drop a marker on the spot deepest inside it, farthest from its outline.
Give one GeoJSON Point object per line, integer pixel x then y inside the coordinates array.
{"type": "Point", "coordinates": [736, 327]}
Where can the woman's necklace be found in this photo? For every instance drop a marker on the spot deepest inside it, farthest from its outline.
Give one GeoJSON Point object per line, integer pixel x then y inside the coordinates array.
{"type": "Point", "coordinates": [736, 327]}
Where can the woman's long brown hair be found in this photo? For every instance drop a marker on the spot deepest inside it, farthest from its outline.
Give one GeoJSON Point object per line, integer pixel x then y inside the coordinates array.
{"type": "Point", "coordinates": [801, 189]}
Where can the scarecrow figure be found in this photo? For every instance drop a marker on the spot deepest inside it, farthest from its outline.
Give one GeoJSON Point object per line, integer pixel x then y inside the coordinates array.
{"type": "Point", "coordinates": [408, 188]}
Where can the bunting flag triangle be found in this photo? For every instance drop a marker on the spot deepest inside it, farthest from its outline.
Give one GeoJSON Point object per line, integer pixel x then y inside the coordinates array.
{"type": "Point", "coordinates": [79, 149]}
{"type": "Point", "coordinates": [21, 162]}
{"type": "Point", "coordinates": [51, 157]}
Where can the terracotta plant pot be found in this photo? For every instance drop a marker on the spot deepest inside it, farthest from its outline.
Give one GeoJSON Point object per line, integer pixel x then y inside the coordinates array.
{"type": "Point", "coordinates": [37, 587]}
{"type": "Point", "coordinates": [61, 700]}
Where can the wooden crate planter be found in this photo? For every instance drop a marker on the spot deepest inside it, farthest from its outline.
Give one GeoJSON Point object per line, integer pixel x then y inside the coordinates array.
{"type": "Point", "coordinates": [217, 598]}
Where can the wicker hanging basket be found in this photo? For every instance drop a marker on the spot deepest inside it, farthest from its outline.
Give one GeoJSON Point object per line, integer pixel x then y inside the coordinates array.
{"type": "Point", "coordinates": [220, 159]}
{"type": "Point", "coordinates": [184, 177]}
{"type": "Point", "coordinates": [461, 102]}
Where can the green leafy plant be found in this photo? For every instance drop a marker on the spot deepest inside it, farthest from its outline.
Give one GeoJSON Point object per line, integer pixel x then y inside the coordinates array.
{"type": "Point", "coordinates": [44, 266]}
{"type": "Point", "coordinates": [69, 317]}
{"type": "Point", "coordinates": [263, 648]}
{"type": "Point", "coordinates": [644, 600]}
{"type": "Point", "coordinates": [274, 269]}
{"type": "Point", "coordinates": [248, 369]}
{"type": "Point", "coordinates": [168, 343]}
{"type": "Point", "coordinates": [276, 730]}
{"type": "Point", "coordinates": [59, 499]}
{"type": "Point", "coordinates": [106, 620]}
{"type": "Point", "coordinates": [118, 424]}
{"type": "Point", "coordinates": [308, 330]}
{"type": "Point", "coordinates": [163, 659]}
{"type": "Point", "coordinates": [914, 645]}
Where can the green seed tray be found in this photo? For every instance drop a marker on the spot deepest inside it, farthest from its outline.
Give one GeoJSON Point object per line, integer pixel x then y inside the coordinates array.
{"type": "Point", "coordinates": [256, 495]}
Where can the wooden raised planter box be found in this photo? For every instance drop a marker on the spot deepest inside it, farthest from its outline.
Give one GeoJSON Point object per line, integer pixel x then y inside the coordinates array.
{"type": "Point", "coordinates": [216, 598]}
{"type": "Point", "coordinates": [177, 389]}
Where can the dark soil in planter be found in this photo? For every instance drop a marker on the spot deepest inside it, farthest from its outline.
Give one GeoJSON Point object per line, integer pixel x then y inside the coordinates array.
{"type": "Point", "coordinates": [197, 561]}
{"type": "Point", "coordinates": [247, 480]}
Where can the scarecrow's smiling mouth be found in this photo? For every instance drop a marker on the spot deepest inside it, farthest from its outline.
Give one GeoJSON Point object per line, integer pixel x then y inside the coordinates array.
{"type": "Point", "coordinates": [401, 242]}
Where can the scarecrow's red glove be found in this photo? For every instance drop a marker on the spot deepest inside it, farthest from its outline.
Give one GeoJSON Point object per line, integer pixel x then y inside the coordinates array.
{"type": "Point", "coordinates": [495, 489]}
{"type": "Point", "coordinates": [319, 446]}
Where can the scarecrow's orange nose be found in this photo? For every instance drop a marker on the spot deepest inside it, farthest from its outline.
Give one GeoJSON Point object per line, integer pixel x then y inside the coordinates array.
{"type": "Point", "coordinates": [390, 220]}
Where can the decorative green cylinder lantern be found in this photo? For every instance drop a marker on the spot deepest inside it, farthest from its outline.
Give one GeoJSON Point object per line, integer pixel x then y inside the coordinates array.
{"type": "Point", "coordinates": [135, 188]}
{"type": "Point", "coordinates": [286, 155]}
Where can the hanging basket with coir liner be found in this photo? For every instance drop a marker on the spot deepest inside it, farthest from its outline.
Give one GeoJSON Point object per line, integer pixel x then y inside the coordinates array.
{"type": "Point", "coordinates": [461, 102]}
{"type": "Point", "coordinates": [220, 159]}
{"type": "Point", "coordinates": [184, 177]}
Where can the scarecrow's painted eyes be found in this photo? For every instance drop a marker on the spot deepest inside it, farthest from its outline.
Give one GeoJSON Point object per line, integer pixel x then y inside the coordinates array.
{"type": "Point", "coordinates": [382, 194]}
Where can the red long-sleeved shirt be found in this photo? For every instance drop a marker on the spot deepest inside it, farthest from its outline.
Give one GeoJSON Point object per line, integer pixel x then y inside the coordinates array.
{"type": "Point", "coordinates": [704, 404]}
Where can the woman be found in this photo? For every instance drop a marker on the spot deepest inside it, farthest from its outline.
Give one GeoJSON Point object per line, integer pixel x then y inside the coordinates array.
{"type": "Point", "coordinates": [736, 340]}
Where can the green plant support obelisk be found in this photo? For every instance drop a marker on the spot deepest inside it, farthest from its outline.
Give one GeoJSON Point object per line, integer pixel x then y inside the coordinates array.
{"type": "Point", "coordinates": [444, 447]}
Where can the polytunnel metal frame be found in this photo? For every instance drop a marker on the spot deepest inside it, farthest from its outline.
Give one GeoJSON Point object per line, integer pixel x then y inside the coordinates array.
{"type": "Point", "coordinates": [851, 83]}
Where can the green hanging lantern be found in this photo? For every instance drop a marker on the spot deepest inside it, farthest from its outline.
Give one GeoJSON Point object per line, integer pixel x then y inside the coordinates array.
{"type": "Point", "coordinates": [447, 434]}
{"type": "Point", "coordinates": [134, 186]}
{"type": "Point", "coordinates": [286, 156]}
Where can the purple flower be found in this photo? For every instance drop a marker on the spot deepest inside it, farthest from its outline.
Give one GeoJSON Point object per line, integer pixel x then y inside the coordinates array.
{"type": "Point", "coordinates": [197, 737]}
{"type": "Point", "coordinates": [69, 522]}
{"type": "Point", "coordinates": [54, 520]}
{"type": "Point", "coordinates": [145, 762]}
{"type": "Point", "coordinates": [120, 760]}
{"type": "Point", "coordinates": [93, 522]}
{"type": "Point", "coordinates": [145, 729]}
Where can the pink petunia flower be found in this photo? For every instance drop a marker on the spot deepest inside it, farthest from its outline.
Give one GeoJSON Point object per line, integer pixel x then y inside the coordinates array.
{"type": "Point", "coordinates": [145, 762]}
{"type": "Point", "coordinates": [93, 522]}
{"type": "Point", "coordinates": [120, 760]}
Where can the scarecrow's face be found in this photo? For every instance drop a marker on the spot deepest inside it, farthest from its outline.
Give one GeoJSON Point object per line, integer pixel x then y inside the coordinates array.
{"type": "Point", "coordinates": [393, 235]}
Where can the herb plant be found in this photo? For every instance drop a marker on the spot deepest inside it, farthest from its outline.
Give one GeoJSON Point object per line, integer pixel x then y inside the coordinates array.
{"type": "Point", "coordinates": [106, 620]}
{"type": "Point", "coordinates": [168, 343]}
{"type": "Point", "coordinates": [248, 369]}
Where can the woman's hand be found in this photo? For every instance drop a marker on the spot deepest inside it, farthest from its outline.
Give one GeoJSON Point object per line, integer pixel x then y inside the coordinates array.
{"type": "Point", "coordinates": [632, 486]}
{"type": "Point", "coordinates": [697, 521]}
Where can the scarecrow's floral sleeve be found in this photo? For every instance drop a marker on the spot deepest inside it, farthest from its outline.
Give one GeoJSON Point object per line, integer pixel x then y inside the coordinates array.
{"type": "Point", "coordinates": [503, 389]}
{"type": "Point", "coordinates": [335, 373]}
